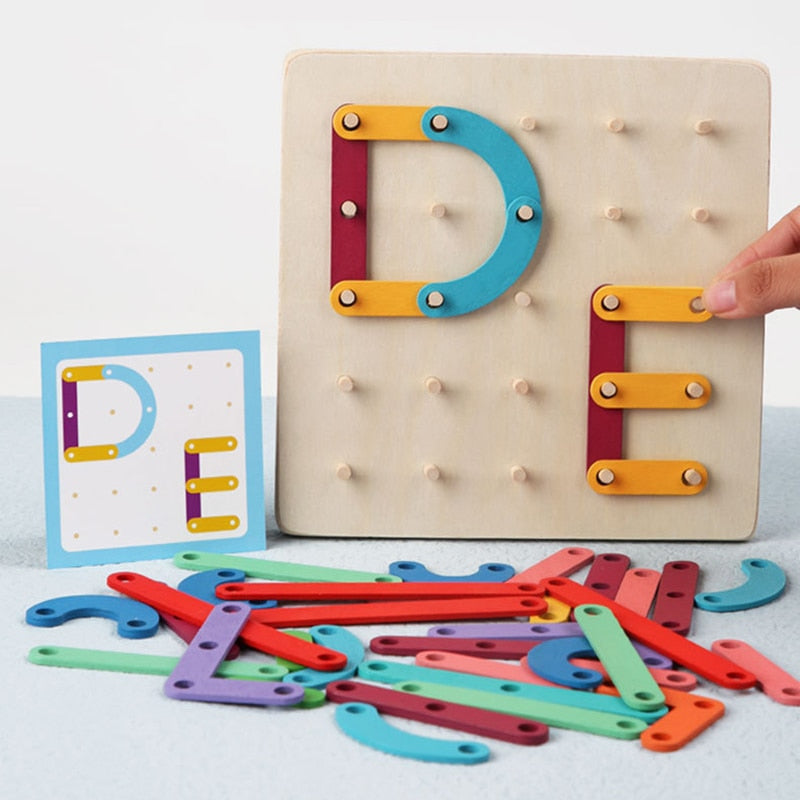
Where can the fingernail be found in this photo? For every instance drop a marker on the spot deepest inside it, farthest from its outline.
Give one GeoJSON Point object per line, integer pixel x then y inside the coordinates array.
{"type": "Point", "coordinates": [720, 297]}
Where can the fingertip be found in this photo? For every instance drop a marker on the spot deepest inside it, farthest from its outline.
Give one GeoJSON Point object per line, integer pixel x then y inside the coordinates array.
{"type": "Point", "coordinates": [769, 284]}
{"type": "Point", "coordinates": [720, 297]}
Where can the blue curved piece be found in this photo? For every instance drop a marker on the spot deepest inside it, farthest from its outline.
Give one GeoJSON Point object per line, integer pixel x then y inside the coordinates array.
{"type": "Point", "coordinates": [202, 585]}
{"type": "Point", "coordinates": [147, 420]}
{"type": "Point", "coordinates": [765, 583]}
{"type": "Point", "coordinates": [135, 620]}
{"type": "Point", "coordinates": [363, 723]}
{"type": "Point", "coordinates": [489, 141]}
{"type": "Point", "coordinates": [335, 638]}
{"type": "Point", "coordinates": [414, 572]}
{"type": "Point", "coordinates": [550, 660]}
{"type": "Point", "coordinates": [520, 236]}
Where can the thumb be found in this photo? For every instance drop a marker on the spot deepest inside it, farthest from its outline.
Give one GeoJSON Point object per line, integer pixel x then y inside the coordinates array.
{"type": "Point", "coordinates": [758, 288]}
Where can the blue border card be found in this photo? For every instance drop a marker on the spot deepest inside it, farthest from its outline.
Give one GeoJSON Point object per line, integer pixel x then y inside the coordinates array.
{"type": "Point", "coordinates": [152, 445]}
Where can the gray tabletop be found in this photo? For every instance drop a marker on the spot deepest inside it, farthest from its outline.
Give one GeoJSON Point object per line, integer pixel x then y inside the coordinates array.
{"type": "Point", "coordinates": [73, 733]}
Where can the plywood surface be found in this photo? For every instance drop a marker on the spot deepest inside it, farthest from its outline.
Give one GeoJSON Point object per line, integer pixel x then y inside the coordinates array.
{"type": "Point", "coordinates": [479, 428]}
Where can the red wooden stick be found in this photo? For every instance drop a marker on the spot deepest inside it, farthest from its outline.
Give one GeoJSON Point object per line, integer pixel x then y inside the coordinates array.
{"type": "Point", "coordinates": [261, 637]}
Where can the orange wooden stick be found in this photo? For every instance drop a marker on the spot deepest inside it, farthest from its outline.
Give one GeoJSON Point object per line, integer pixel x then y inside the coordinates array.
{"type": "Point", "coordinates": [689, 715]}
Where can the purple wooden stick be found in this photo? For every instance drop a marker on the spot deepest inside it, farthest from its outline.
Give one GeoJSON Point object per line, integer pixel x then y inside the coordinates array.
{"type": "Point", "coordinates": [187, 632]}
{"type": "Point", "coordinates": [69, 408]}
{"type": "Point", "coordinates": [191, 470]}
{"type": "Point", "coordinates": [508, 630]}
{"type": "Point", "coordinates": [193, 677]}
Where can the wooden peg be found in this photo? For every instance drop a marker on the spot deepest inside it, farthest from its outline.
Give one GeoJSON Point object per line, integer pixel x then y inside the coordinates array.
{"type": "Point", "coordinates": [697, 305]}
{"type": "Point", "coordinates": [348, 209]}
{"type": "Point", "coordinates": [610, 302]}
{"type": "Point", "coordinates": [520, 386]}
{"type": "Point", "coordinates": [616, 125]}
{"type": "Point", "coordinates": [432, 472]}
{"type": "Point", "coordinates": [523, 299]}
{"type": "Point", "coordinates": [691, 477]}
{"type": "Point", "coordinates": [605, 477]}
{"type": "Point", "coordinates": [695, 390]}
{"type": "Point", "coordinates": [525, 213]}
{"type": "Point", "coordinates": [347, 298]}
{"type": "Point", "coordinates": [351, 121]}
{"type": "Point", "coordinates": [345, 383]}
{"type": "Point", "coordinates": [435, 299]}
{"type": "Point", "coordinates": [433, 385]}
{"type": "Point", "coordinates": [518, 474]}
{"type": "Point", "coordinates": [609, 389]}
{"type": "Point", "coordinates": [344, 471]}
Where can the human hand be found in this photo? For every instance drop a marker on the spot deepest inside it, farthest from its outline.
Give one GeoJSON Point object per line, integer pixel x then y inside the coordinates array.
{"type": "Point", "coordinates": [763, 277]}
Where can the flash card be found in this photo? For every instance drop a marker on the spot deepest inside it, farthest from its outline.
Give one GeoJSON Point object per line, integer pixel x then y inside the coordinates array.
{"type": "Point", "coordinates": [152, 444]}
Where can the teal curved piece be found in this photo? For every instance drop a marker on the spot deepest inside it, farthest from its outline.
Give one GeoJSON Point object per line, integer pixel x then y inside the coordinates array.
{"type": "Point", "coordinates": [765, 583]}
{"type": "Point", "coordinates": [148, 400]}
{"type": "Point", "coordinates": [363, 723]}
{"type": "Point", "coordinates": [336, 638]}
{"type": "Point", "coordinates": [523, 204]}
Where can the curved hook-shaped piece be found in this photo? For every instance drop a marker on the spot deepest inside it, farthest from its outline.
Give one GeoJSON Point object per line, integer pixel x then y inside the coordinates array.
{"type": "Point", "coordinates": [415, 572]}
{"type": "Point", "coordinates": [523, 212]}
{"type": "Point", "coordinates": [202, 585]}
{"type": "Point", "coordinates": [148, 400]}
{"type": "Point", "coordinates": [135, 620]}
{"type": "Point", "coordinates": [336, 638]}
{"type": "Point", "coordinates": [551, 660]}
{"type": "Point", "coordinates": [765, 583]}
{"type": "Point", "coordinates": [363, 723]}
